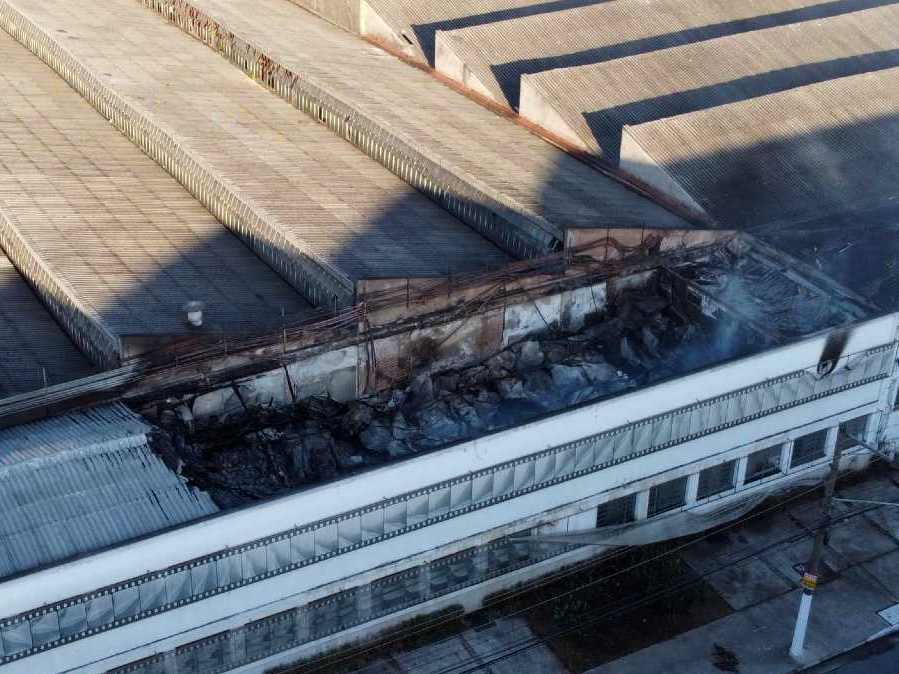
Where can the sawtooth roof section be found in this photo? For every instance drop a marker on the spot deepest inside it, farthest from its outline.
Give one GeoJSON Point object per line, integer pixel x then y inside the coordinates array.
{"type": "Point", "coordinates": [411, 25]}
{"type": "Point", "coordinates": [87, 480]}
{"type": "Point", "coordinates": [31, 342]}
{"type": "Point", "coordinates": [115, 244]}
{"type": "Point", "coordinates": [818, 158]}
{"type": "Point", "coordinates": [491, 58]}
{"type": "Point", "coordinates": [457, 146]}
{"type": "Point", "coordinates": [310, 204]}
{"type": "Point", "coordinates": [589, 105]}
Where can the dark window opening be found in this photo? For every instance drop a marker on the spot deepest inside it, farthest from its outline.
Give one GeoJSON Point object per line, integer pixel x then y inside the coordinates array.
{"type": "Point", "coordinates": [763, 463]}
{"type": "Point", "coordinates": [809, 448]}
{"type": "Point", "coordinates": [667, 496]}
{"type": "Point", "coordinates": [854, 428]}
{"type": "Point", "coordinates": [716, 479]}
{"type": "Point", "coordinates": [616, 511]}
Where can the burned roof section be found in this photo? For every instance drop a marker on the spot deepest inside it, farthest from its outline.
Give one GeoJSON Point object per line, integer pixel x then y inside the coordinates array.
{"type": "Point", "coordinates": [729, 302]}
{"type": "Point", "coordinates": [813, 170]}
{"type": "Point", "coordinates": [641, 339]}
{"type": "Point", "coordinates": [762, 293]}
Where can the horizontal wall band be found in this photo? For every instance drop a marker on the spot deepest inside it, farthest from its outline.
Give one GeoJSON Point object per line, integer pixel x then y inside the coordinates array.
{"type": "Point", "coordinates": [433, 504]}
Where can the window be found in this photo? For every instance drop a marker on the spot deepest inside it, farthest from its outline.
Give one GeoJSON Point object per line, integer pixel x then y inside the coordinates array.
{"type": "Point", "coordinates": [716, 479]}
{"type": "Point", "coordinates": [854, 428]}
{"type": "Point", "coordinates": [763, 463]}
{"type": "Point", "coordinates": [616, 511]}
{"type": "Point", "coordinates": [809, 447]}
{"type": "Point", "coordinates": [667, 496]}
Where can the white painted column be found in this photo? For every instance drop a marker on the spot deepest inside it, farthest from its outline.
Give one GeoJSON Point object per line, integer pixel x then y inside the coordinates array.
{"type": "Point", "coordinates": [740, 479]}
{"type": "Point", "coordinates": [641, 506]}
{"type": "Point", "coordinates": [831, 442]}
{"type": "Point", "coordinates": [785, 453]}
{"type": "Point", "coordinates": [170, 663]}
{"type": "Point", "coordinates": [805, 607]}
{"type": "Point", "coordinates": [692, 488]}
{"type": "Point", "coordinates": [237, 642]}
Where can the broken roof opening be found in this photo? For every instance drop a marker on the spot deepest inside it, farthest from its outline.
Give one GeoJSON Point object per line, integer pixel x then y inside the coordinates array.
{"type": "Point", "coordinates": [656, 325]}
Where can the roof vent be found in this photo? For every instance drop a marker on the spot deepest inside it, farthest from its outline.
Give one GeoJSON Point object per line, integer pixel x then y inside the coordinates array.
{"type": "Point", "coordinates": [193, 312]}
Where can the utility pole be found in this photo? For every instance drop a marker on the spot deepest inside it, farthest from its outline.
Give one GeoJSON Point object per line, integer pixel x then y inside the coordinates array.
{"type": "Point", "coordinates": [810, 577]}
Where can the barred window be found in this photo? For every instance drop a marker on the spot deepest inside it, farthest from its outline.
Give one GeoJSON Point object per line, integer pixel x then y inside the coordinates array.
{"type": "Point", "coordinates": [667, 496]}
{"type": "Point", "coordinates": [763, 463]}
{"type": "Point", "coordinates": [809, 448]}
{"type": "Point", "coordinates": [716, 479]}
{"type": "Point", "coordinates": [616, 511]}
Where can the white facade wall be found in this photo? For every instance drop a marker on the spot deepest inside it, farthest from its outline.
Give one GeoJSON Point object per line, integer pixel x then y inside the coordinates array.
{"type": "Point", "coordinates": [575, 499]}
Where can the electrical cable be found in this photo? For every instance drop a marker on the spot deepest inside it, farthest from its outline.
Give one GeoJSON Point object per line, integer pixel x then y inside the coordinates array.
{"type": "Point", "coordinates": [524, 645]}
{"type": "Point", "coordinates": [420, 628]}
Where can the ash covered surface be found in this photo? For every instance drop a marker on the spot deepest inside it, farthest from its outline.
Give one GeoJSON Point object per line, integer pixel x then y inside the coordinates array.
{"type": "Point", "coordinates": [859, 249]}
{"type": "Point", "coordinates": [774, 298]}
{"type": "Point", "coordinates": [641, 339]}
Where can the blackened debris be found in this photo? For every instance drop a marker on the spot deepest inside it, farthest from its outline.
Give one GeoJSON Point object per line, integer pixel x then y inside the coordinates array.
{"type": "Point", "coordinates": [640, 340]}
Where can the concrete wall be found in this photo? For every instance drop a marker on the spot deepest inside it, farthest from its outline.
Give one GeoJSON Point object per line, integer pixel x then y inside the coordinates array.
{"type": "Point", "coordinates": [333, 374]}
{"type": "Point", "coordinates": [536, 109]}
{"type": "Point", "coordinates": [373, 26]}
{"type": "Point", "coordinates": [635, 160]}
{"type": "Point", "coordinates": [345, 13]}
{"type": "Point", "coordinates": [350, 372]}
{"type": "Point", "coordinates": [448, 63]}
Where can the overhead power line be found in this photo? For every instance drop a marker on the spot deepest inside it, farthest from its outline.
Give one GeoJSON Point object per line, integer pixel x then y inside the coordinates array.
{"type": "Point", "coordinates": [412, 631]}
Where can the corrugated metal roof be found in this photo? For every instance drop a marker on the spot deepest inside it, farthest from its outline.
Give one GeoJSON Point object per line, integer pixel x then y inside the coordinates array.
{"type": "Point", "coordinates": [519, 170]}
{"type": "Point", "coordinates": [788, 157]}
{"type": "Point", "coordinates": [495, 55]}
{"type": "Point", "coordinates": [814, 169]}
{"type": "Point", "coordinates": [111, 236]}
{"type": "Point", "coordinates": [596, 101]}
{"type": "Point", "coordinates": [77, 483]}
{"type": "Point", "coordinates": [415, 22]}
{"type": "Point", "coordinates": [31, 342]}
{"type": "Point", "coordinates": [312, 193]}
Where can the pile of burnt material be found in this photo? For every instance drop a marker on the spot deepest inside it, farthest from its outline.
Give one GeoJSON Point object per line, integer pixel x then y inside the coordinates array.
{"type": "Point", "coordinates": [640, 339]}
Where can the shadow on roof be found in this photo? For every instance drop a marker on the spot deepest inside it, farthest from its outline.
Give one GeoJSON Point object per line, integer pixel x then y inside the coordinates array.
{"type": "Point", "coordinates": [508, 75]}
{"type": "Point", "coordinates": [34, 349]}
{"type": "Point", "coordinates": [606, 125]}
{"type": "Point", "coordinates": [426, 33]}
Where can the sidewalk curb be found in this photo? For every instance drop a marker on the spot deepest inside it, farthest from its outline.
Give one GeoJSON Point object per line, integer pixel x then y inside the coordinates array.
{"type": "Point", "coordinates": [892, 629]}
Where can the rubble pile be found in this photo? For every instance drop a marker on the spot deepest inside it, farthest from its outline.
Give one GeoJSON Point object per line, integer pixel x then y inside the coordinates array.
{"type": "Point", "coordinates": [640, 339]}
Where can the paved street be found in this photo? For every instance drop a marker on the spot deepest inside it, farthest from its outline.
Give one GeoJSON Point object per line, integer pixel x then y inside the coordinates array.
{"type": "Point", "coordinates": [755, 567]}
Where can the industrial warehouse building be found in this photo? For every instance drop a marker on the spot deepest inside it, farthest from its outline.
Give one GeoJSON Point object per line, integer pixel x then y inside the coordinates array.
{"type": "Point", "coordinates": [307, 332]}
